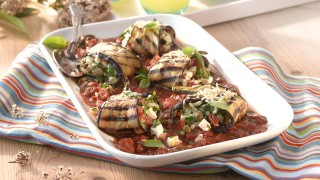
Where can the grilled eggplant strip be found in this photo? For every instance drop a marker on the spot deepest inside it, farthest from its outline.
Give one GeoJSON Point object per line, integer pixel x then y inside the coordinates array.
{"type": "Point", "coordinates": [169, 69]}
{"type": "Point", "coordinates": [149, 38]}
{"type": "Point", "coordinates": [127, 60]}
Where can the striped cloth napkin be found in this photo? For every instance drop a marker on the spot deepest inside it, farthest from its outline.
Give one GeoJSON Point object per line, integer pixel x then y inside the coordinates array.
{"type": "Point", "coordinates": [49, 118]}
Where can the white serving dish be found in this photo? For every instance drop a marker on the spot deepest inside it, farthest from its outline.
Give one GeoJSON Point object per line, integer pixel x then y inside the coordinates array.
{"type": "Point", "coordinates": [256, 92]}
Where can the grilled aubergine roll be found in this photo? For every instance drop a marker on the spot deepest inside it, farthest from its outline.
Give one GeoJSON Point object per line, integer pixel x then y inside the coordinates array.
{"type": "Point", "coordinates": [149, 38]}
{"type": "Point", "coordinates": [99, 57]}
{"type": "Point", "coordinates": [177, 68]}
{"type": "Point", "coordinates": [168, 71]}
{"type": "Point", "coordinates": [210, 107]}
{"type": "Point", "coordinates": [128, 113]}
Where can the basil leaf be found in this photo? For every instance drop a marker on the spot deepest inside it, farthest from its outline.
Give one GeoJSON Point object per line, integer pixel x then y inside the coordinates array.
{"type": "Point", "coordinates": [16, 22]}
{"type": "Point", "coordinates": [220, 105]}
{"type": "Point", "coordinates": [150, 25]}
{"type": "Point", "coordinates": [153, 143]}
{"type": "Point", "coordinates": [144, 83]}
{"type": "Point", "coordinates": [111, 71]}
{"type": "Point", "coordinates": [140, 77]}
{"type": "Point", "coordinates": [27, 11]}
{"type": "Point", "coordinates": [55, 42]}
{"type": "Point", "coordinates": [188, 50]}
{"type": "Point", "coordinates": [142, 71]}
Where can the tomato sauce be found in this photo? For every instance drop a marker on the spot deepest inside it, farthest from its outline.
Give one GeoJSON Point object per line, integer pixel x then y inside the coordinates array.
{"type": "Point", "coordinates": [94, 94]}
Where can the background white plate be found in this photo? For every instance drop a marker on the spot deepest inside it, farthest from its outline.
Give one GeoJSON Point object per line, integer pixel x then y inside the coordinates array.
{"type": "Point", "coordinates": [257, 93]}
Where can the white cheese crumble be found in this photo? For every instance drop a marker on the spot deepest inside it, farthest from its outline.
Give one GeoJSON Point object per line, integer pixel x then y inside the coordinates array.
{"type": "Point", "coordinates": [158, 130]}
{"type": "Point", "coordinates": [173, 141]}
{"type": "Point", "coordinates": [204, 125]}
{"type": "Point", "coordinates": [198, 138]}
{"type": "Point", "coordinates": [151, 113]}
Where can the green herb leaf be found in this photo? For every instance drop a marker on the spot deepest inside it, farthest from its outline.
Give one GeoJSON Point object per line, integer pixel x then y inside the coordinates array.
{"type": "Point", "coordinates": [140, 77]}
{"type": "Point", "coordinates": [189, 120]}
{"type": "Point", "coordinates": [55, 42]}
{"type": "Point", "coordinates": [142, 71]}
{"type": "Point", "coordinates": [111, 71]}
{"type": "Point", "coordinates": [150, 25]}
{"type": "Point", "coordinates": [16, 22]}
{"type": "Point", "coordinates": [144, 83]}
{"type": "Point", "coordinates": [188, 50]}
{"type": "Point", "coordinates": [27, 11]}
{"type": "Point", "coordinates": [201, 63]}
{"type": "Point", "coordinates": [153, 143]}
{"type": "Point", "coordinates": [104, 85]}
{"type": "Point", "coordinates": [155, 123]}
{"type": "Point", "coordinates": [220, 105]}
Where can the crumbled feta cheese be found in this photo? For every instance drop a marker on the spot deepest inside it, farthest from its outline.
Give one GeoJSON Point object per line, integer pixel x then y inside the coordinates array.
{"type": "Point", "coordinates": [158, 130]}
{"type": "Point", "coordinates": [173, 141]}
{"type": "Point", "coordinates": [151, 113]}
{"type": "Point", "coordinates": [198, 138]}
{"type": "Point", "coordinates": [204, 125]}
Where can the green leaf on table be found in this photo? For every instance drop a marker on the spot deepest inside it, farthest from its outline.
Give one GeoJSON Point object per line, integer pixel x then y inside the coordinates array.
{"type": "Point", "coordinates": [27, 11]}
{"type": "Point", "coordinates": [153, 143]}
{"type": "Point", "coordinates": [55, 42]}
{"type": "Point", "coordinates": [16, 22]}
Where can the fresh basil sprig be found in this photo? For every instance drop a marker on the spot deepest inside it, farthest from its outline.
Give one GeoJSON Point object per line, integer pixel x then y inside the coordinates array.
{"type": "Point", "coordinates": [191, 51]}
{"type": "Point", "coordinates": [151, 25]}
{"type": "Point", "coordinates": [143, 78]}
{"type": "Point", "coordinates": [55, 42]}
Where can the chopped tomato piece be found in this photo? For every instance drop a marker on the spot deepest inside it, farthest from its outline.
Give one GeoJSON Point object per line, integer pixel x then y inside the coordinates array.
{"type": "Point", "coordinates": [172, 100]}
{"type": "Point", "coordinates": [126, 145]}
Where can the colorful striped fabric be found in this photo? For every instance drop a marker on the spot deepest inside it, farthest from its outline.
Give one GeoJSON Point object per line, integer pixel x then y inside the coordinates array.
{"type": "Point", "coordinates": [295, 154]}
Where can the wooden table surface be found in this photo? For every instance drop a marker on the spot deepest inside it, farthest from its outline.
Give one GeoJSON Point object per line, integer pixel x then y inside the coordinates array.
{"type": "Point", "coordinates": [291, 34]}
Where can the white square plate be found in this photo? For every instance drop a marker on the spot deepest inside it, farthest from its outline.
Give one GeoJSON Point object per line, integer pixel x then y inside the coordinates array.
{"type": "Point", "coordinates": [256, 92]}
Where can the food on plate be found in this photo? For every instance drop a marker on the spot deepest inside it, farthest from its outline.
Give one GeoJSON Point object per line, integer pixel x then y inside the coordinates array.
{"type": "Point", "coordinates": [128, 113]}
{"type": "Point", "coordinates": [149, 38]}
{"type": "Point", "coordinates": [156, 95]}
{"type": "Point", "coordinates": [215, 107]}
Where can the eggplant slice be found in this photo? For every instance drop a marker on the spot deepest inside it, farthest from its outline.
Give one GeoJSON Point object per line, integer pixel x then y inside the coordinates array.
{"type": "Point", "coordinates": [169, 70]}
{"type": "Point", "coordinates": [149, 38]}
{"type": "Point", "coordinates": [127, 60]}
{"type": "Point", "coordinates": [221, 107]}
{"type": "Point", "coordinates": [119, 115]}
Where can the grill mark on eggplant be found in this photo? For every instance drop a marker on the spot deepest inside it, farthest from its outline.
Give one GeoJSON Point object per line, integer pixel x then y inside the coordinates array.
{"type": "Point", "coordinates": [181, 61]}
{"type": "Point", "coordinates": [164, 70]}
{"type": "Point", "coordinates": [119, 108]}
{"type": "Point", "coordinates": [118, 118]}
{"type": "Point", "coordinates": [169, 79]}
